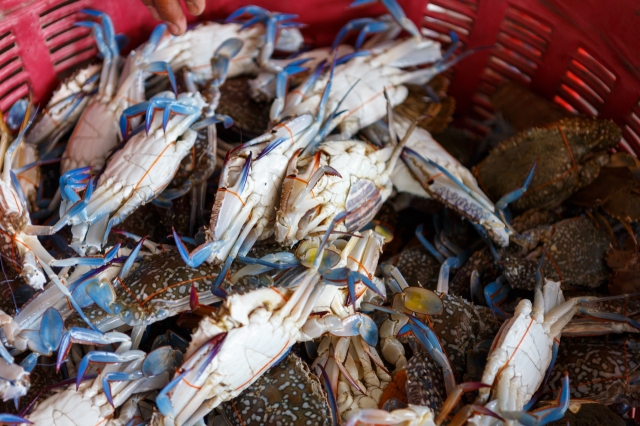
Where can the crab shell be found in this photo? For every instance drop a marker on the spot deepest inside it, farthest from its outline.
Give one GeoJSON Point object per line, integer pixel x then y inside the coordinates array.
{"type": "Point", "coordinates": [360, 187]}
{"type": "Point", "coordinates": [300, 398]}
{"type": "Point", "coordinates": [570, 151]}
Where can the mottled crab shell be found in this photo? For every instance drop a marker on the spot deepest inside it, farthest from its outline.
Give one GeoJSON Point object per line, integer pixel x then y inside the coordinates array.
{"type": "Point", "coordinates": [562, 168]}
{"type": "Point", "coordinates": [589, 414]}
{"type": "Point", "coordinates": [288, 394]}
{"type": "Point", "coordinates": [163, 282]}
{"type": "Point", "coordinates": [599, 370]}
{"type": "Point", "coordinates": [418, 267]}
{"type": "Point", "coordinates": [461, 326]}
{"type": "Point", "coordinates": [575, 255]}
{"type": "Point", "coordinates": [425, 382]}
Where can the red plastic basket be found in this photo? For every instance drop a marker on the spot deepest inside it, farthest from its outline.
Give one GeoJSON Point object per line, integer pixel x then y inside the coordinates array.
{"type": "Point", "coordinates": [582, 54]}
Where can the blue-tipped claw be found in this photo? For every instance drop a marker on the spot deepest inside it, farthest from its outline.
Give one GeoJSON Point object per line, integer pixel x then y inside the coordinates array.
{"type": "Point", "coordinates": [163, 68]}
{"type": "Point", "coordinates": [223, 55]}
{"type": "Point", "coordinates": [396, 11]}
{"type": "Point", "coordinates": [199, 255]}
{"type": "Point", "coordinates": [270, 147]}
{"type": "Point", "coordinates": [342, 276]}
{"type": "Point", "coordinates": [102, 294]}
{"type": "Point", "coordinates": [107, 26]}
{"type": "Point", "coordinates": [100, 357]}
{"type": "Point", "coordinates": [430, 248]}
{"type": "Point", "coordinates": [116, 376]}
{"type": "Point", "coordinates": [88, 261]}
{"type": "Point", "coordinates": [353, 25]}
{"type": "Point", "coordinates": [495, 293]}
{"type": "Point", "coordinates": [103, 47]}
{"type": "Point", "coordinates": [250, 10]}
{"type": "Point", "coordinates": [213, 120]}
{"type": "Point", "coordinates": [548, 415]}
{"type": "Point", "coordinates": [516, 194]}
{"type": "Point", "coordinates": [13, 419]}
{"type": "Point", "coordinates": [372, 28]}
{"type": "Point", "coordinates": [129, 113]}
{"type": "Point", "coordinates": [162, 400]}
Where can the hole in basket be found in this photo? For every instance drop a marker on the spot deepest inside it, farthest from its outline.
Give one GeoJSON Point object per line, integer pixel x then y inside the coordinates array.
{"type": "Point", "coordinates": [450, 14]}
{"type": "Point", "coordinates": [11, 95]}
{"type": "Point", "coordinates": [448, 25]}
{"type": "Point", "coordinates": [576, 100]}
{"type": "Point", "coordinates": [596, 67]}
{"type": "Point", "coordinates": [631, 138]}
{"type": "Point", "coordinates": [624, 146]}
{"type": "Point", "coordinates": [67, 42]}
{"type": "Point", "coordinates": [595, 82]}
{"type": "Point", "coordinates": [528, 22]}
{"type": "Point", "coordinates": [586, 83]}
{"type": "Point", "coordinates": [5, 35]}
{"type": "Point", "coordinates": [57, 7]}
{"type": "Point", "coordinates": [7, 48]}
{"type": "Point", "coordinates": [441, 17]}
{"type": "Point", "coordinates": [10, 75]}
{"type": "Point", "coordinates": [581, 86]}
{"type": "Point", "coordinates": [508, 70]}
{"type": "Point", "coordinates": [564, 104]}
{"type": "Point", "coordinates": [71, 55]}
{"type": "Point", "coordinates": [7, 63]}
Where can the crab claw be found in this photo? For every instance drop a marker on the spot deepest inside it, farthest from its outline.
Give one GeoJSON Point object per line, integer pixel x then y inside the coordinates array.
{"type": "Point", "coordinates": [102, 357]}
{"type": "Point", "coordinates": [163, 68]}
{"type": "Point", "coordinates": [431, 344]}
{"type": "Point", "coordinates": [396, 11]}
{"type": "Point", "coordinates": [548, 415]}
{"type": "Point", "coordinates": [342, 276]}
{"type": "Point", "coordinates": [517, 193]}
{"type": "Point", "coordinates": [162, 400]}
{"type": "Point", "coordinates": [86, 336]}
{"type": "Point", "coordinates": [221, 58]}
{"type": "Point", "coordinates": [13, 419]}
{"type": "Point", "coordinates": [210, 121]}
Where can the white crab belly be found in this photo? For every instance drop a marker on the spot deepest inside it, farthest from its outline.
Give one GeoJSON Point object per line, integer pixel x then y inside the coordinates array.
{"type": "Point", "coordinates": [528, 355]}
{"type": "Point", "coordinates": [67, 408]}
{"type": "Point", "coordinates": [141, 169]}
{"type": "Point", "coordinates": [246, 353]}
{"type": "Point", "coordinates": [94, 136]}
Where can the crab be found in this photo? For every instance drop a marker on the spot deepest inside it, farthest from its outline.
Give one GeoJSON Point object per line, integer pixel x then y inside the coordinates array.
{"type": "Point", "coordinates": [575, 254]}
{"type": "Point", "coordinates": [616, 190]}
{"type": "Point", "coordinates": [570, 153]}
{"type": "Point", "coordinates": [288, 393]}
{"type": "Point", "coordinates": [603, 370]}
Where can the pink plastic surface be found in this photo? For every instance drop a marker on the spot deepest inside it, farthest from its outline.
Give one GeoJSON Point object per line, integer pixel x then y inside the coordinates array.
{"type": "Point", "coordinates": [583, 54]}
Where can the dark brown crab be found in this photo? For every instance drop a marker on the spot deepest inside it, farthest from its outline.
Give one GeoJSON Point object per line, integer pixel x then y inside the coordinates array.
{"type": "Point", "coordinates": [460, 329]}
{"type": "Point", "coordinates": [575, 254]}
{"type": "Point", "coordinates": [616, 190]}
{"type": "Point", "coordinates": [570, 153]}
{"type": "Point", "coordinates": [287, 394]}
{"type": "Point", "coordinates": [601, 370]}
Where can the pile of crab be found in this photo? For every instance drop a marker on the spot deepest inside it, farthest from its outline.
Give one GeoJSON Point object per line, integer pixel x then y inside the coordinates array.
{"type": "Point", "coordinates": [230, 227]}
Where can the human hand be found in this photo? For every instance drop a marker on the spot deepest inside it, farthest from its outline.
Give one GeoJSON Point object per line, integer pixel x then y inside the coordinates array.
{"type": "Point", "coordinates": [170, 11]}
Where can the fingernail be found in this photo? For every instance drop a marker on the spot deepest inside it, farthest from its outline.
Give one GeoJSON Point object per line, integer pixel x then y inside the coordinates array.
{"type": "Point", "coordinates": [154, 12]}
{"type": "Point", "coordinates": [173, 28]}
{"type": "Point", "coordinates": [193, 8]}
